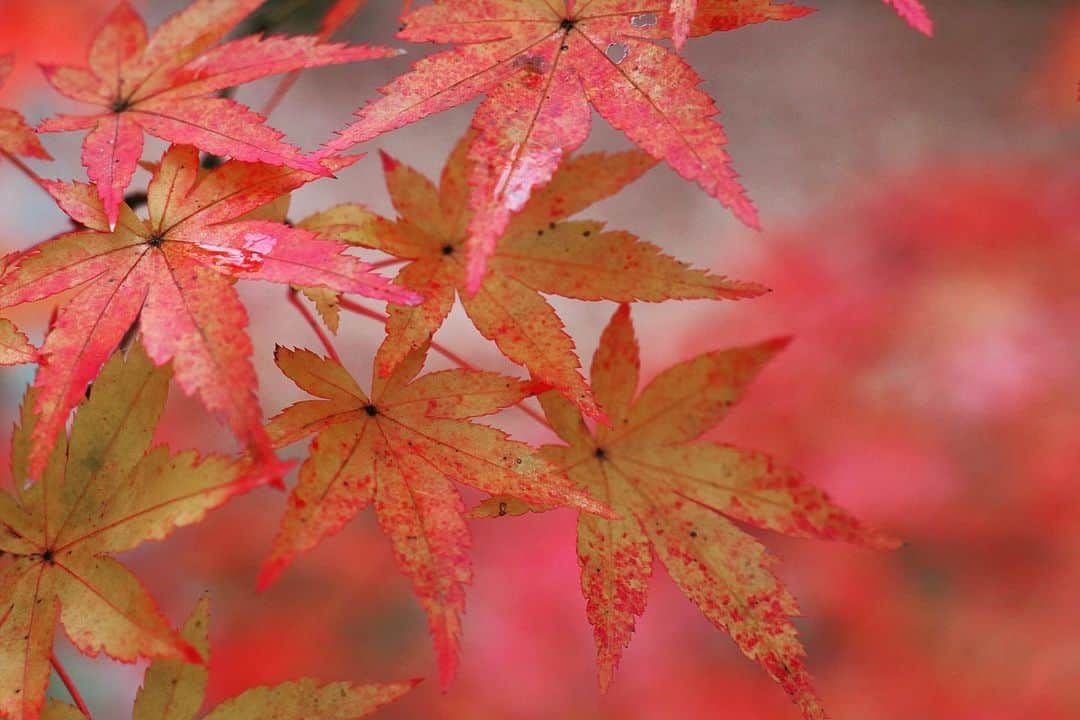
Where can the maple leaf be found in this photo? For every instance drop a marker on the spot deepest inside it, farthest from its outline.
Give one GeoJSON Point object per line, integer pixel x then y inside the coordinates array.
{"type": "Point", "coordinates": [683, 15]}
{"type": "Point", "coordinates": [399, 450]}
{"type": "Point", "coordinates": [164, 85]}
{"type": "Point", "coordinates": [14, 346]}
{"type": "Point", "coordinates": [173, 272]}
{"type": "Point", "coordinates": [914, 14]}
{"type": "Point", "coordinates": [16, 137]}
{"type": "Point", "coordinates": [538, 252]}
{"type": "Point", "coordinates": [104, 491]}
{"type": "Point", "coordinates": [542, 63]}
{"type": "Point", "coordinates": [174, 690]}
{"type": "Point", "coordinates": [674, 497]}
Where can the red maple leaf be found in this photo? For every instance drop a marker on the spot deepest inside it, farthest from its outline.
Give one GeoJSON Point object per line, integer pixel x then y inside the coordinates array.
{"type": "Point", "coordinates": [542, 63]}
{"type": "Point", "coordinates": [915, 14]}
{"type": "Point", "coordinates": [164, 85]}
{"type": "Point", "coordinates": [683, 12]}
{"type": "Point", "coordinates": [16, 137]}
{"type": "Point", "coordinates": [173, 272]}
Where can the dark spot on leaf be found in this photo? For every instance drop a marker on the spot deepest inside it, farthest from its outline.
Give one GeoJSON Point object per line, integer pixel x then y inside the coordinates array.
{"type": "Point", "coordinates": [209, 162]}
{"type": "Point", "coordinates": [447, 249]}
{"type": "Point", "coordinates": [120, 105]}
{"type": "Point", "coordinates": [587, 233]}
{"type": "Point", "coordinates": [601, 454]}
{"type": "Point", "coordinates": [502, 509]}
{"type": "Point", "coordinates": [135, 200]}
{"type": "Point", "coordinates": [371, 410]}
{"type": "Point", "coordinates": [48, 557]}
{"type": "Point", "coordinates": [155, 240]}
{"type": "Point", "coordinates": [567, 24]}
{"type": "Point", "coordinates": [551, 226]}
{"type": "Point", "coordinates": [693, 533]}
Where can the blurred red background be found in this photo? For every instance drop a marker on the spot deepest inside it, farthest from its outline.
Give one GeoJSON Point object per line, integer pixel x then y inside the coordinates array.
{"type": "Point", "coordinates": [922, 200]}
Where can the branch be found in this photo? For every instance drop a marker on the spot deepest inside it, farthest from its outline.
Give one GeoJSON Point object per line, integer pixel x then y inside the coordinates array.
{"type": "Point", "coordinates": [72, 690]}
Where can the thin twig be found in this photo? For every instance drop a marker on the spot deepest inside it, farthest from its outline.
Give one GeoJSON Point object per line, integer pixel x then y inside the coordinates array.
{"type": "Point", "coordinates": [70, 685]}
{"type": "Point", "coordinates": [294, 298]}
{"type": "Point", "coordinates": [335, 17]}
{"type": "Point", "coordinates": [282, 88]}
{"type": "Point", "coordinates": [446, 352]}
{"type": "Point", "coordinates": [26, 169]}
{"type": "Point", "coordinates": [386, 263]}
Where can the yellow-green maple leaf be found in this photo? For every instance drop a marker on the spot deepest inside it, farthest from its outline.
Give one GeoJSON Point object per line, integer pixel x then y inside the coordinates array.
{"type": "Point", "coordinates": [104, 491]}
{"type": "Point", "coordinates": [174, 690]}
{"type": "Point", "coordinates": [676, 496]}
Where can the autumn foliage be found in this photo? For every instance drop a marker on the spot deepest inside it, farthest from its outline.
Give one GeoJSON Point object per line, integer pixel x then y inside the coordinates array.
{"type": "Point", "coordinates": [144, 297]}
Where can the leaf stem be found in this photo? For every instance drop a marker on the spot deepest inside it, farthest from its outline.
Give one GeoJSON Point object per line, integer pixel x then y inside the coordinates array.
{"type": "Point", "coordinates": [294, 298]}
{"type": "Point", "coordinates": [335, 17]}
{"type": "Point", "coordinates": [26, 169]}
{"type": "Point", "coordinates": [282, 88]}
{"type": "Point", "coordinates": [446, 352]}
{"type": "Point", "coordinates": [70, 685]}
{"type": "Point", "coordinates": [387, 263]}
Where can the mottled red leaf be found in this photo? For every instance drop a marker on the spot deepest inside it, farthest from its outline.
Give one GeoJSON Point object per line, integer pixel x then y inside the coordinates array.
{"type": "Point", "coordinates": [173, 272]}
{"type": "Point", "coordinates": [16, 137]}
{"type": "Point", "coordinates": [541, 65]}
{"type": "Point", "coordinates": [164, 84]}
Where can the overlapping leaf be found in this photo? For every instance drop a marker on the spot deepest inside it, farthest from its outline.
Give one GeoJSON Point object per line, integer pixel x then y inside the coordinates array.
{"type": "Point", "coordinates": [174, 690]}
{"type": "Point", "coordinates": [104, 491]}
{"type": "Point", "coordinates": [539, 252]}
{"type": "Point", "coordinates": [685, 18]}
{"type": "Point", "coordinates": [15, 348]}
{"type": "Point", "coordinates": [164, 84]}
{"type": "Point", "coordinates": [676, 497]}
{"type": "Point", "coordinates": [541, 64]}
{"type": "Point", "coordinates": [401, 449]}
{"type": "Point", "coordinates": [173, 273]}
{"type": "Point", "coordinates": [16, 137]}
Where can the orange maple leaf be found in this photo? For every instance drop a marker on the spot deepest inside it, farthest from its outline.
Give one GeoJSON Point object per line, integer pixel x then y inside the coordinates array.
{"type": "Point", "coordinates": [401, 449]}
{"type": "Point", "coordinates": [542, 63]}
{"type": "Point", "coordinates": [539, 252]}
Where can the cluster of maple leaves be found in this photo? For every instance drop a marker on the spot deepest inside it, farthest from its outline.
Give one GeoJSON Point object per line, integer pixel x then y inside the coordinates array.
{"type": "Point", "coordinates": [151, 299]}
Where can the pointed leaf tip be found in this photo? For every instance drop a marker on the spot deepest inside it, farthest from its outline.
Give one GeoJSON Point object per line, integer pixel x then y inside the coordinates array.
{"type": "Point", "coordinates": [388, 162]}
